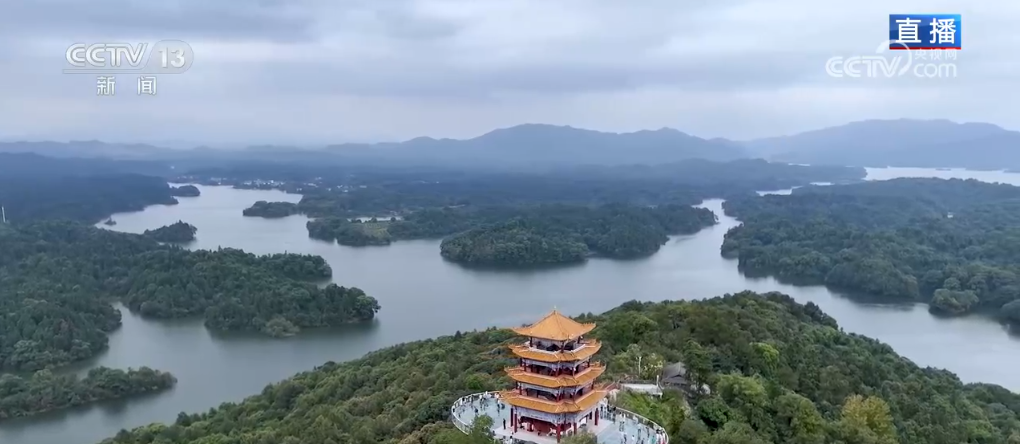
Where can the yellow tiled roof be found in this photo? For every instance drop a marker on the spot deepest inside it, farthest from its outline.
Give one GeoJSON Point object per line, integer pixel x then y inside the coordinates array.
{"type": "Point", "coordinates": [569, 406]}
{"type": "Point", "coordinates": [585, 377]}
{"type": "Point", "coordinates": [555, 327]}
{"type": "Point", "coordinates": [590, 348]}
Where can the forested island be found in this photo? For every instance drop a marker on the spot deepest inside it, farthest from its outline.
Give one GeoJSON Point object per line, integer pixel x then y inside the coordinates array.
{"type": "Point", "coordinates": [555, 234]}
{"type": "Point", "coordinates": [779, 372]}
{"type": "Point", "coordinates": [953, 243]}
{"type": "Point", "coordinates": [59, 275]}
{"type": "Point", "coordinates": [185, 191]}
{"type": "Point", "coordinates": [526, 235]}
{"type": "Point", "coordinates": [513, 218]}
{"type": "Point", "coordinates": [352, 232]}
{"type": "Point", "coordinates": [63, 273]}
{"type": "Point", "coordinates": [271, 210]}
{"type": "Point", "coordinates": [34, 187]}
{"type": "Point", "coordinates": [177, 232]}
{"type": "Point", "coordinates": [45, 391]}
{"type": "Point", "coordinates": [346, 193]}
{"type": "Point", "coordinates": [515, 243]}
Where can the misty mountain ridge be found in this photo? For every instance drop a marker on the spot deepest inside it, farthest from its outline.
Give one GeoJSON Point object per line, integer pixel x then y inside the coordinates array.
{"type": "Point", "coordinates": [550, 144]}
{"type": "Point", "coordinates": [521, 145]}
{"type": "Point", "coordinates": [902, 142]}
{"type": "Point", "coordinates": [875, 143]}
{"type": "Point", "coordinates": [84, 148]}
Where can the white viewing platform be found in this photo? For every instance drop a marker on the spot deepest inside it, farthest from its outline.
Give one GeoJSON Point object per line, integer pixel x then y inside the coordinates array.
{"type": "Point", "coordinates": [625, 428]}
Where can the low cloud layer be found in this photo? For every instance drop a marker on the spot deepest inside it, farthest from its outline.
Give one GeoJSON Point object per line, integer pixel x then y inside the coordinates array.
{"type": "Point", "coordinates": [316, 71]}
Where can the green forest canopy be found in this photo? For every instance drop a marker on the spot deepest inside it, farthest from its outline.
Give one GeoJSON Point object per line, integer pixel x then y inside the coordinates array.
{"type": "Point", "coordinates": [780, 372]}
{"type": "Point", "coordinates": [954, 243]}
{"type": "Point", "coordinates": [420, 205]}
{"type": "Point", "coordinates": [377, 191]}
{"type": "Point", "coordinates": [552, 234]}
{"type": "Point", "coordinates": [44, 391]}
{"type": "Point", "coordinates": [563, 233]}
{"type": "Point", "coordinates": [34, 187]}
{"type": "Point", "coordinates": [58, 280]}
{"type": "Point", "coordinates": [177, 232]}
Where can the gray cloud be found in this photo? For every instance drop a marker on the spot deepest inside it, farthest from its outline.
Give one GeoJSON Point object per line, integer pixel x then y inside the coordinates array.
{"type": "Point", "coordinates": [320, 70]}
{"type": "Point", "coordinates": [422, 78]}
{"type": "Point", "coordinates": [261, 20]}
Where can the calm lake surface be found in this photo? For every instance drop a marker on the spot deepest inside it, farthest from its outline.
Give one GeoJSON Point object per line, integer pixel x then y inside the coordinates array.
{"type": "Point", "coordinates": [423, 296]}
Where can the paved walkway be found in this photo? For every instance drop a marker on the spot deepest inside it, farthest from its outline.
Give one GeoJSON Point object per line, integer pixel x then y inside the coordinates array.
{"type": "Point", "coordinates": [624, 429]}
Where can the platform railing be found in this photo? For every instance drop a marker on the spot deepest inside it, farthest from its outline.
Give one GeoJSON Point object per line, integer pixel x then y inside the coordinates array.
{"type": "Point", "coordinates": [645, 421]}
{"type": "Point", "coordinates": [466, 428]}
{"type": "Point", "coordinates": [461, 425]}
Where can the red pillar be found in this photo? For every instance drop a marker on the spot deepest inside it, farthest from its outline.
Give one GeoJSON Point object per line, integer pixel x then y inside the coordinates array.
{"type": "Point", "coordinates": [559, 427]}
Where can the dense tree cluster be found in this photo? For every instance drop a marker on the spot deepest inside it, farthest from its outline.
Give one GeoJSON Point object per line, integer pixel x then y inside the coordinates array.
{"type": "Point", "coordinates": [88, 199]}
{"type": "Point", "coordinates": [953, 243]}
{"type": "Point", "coordinates": [433, 204]}
{"type": "Point", "coordinates": [488, 186]}
{"type": "Point", "coordinates": [271, 210]}
{"type": "Point", "coordinates": [185, 191]}
{"type": "Point", "coordinates": [779, 372]}
{"type": "Point", "coordinates": [559, 233]}
{"type": "Point", "coordinates": [436, 204]}
{"type": "Point", "coordinates": [58, 279]}
{"type": "Point", "coordinates": [515, 243]}
{"type": "Point", "coordinates": [351, 232]}
{"type": "Point", "coordinates": [45, 391]}
{"type": "Point", "coordinates": [525, 235]}
{"type": "Point", "coordinates": [34, 187]}
{"type": "Point", "coordinates": [360, 191]}
{"type": "Point", "coordinates": [177, 232]}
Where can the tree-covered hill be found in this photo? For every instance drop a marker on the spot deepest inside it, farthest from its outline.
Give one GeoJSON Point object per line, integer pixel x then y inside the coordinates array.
{"type": "Point", "coordinates": [177, 232]}
{"type": "Point", "coordinates": [426, 204]}
{"type": "Point", "coordinates": [560, 233]}
{"type": "Point", "coordinates": [45, 391]}
{"type": "Point", "coordinates": [779, 372]}
{"type": "Point", "coordinates": [525, 235]}
{"type": "Point", "coordinates": [58, 279]}
{"type": "Point", "coordinates": [350, 192]}
{"type": "Point", "coordinates": [953, 243]}
{"type": "Point", "coordinates": [517, 242]}
{"type": "Point", "coordinates": [271, 210]}
{"type": "Point", "coordinates": [34, 187]}
{"type": "Point", "coordinates": [185, 191]}
{"type": "Point", "coordinates": [87, 199]}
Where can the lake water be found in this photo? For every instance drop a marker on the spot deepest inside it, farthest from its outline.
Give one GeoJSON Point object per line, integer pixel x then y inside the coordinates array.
{"type": "Point", "coordinates": [423, 296]}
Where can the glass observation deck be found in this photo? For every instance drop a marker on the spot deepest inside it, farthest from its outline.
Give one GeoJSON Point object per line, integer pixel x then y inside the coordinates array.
{"type": "Point", "coordinates": [623, 427]}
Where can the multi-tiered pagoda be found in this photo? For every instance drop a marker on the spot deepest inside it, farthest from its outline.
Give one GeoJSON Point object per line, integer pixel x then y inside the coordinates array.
{"type": "Point", "coordinates": [555, 390]}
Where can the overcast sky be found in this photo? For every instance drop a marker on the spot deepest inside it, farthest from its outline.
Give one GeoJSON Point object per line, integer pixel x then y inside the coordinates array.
{"type": "Point", "coordinates": [320, 71]}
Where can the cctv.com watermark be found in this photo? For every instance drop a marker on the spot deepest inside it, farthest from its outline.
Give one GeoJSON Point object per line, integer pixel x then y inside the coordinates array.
{"type": "Point", "coordinates": [925, 64]}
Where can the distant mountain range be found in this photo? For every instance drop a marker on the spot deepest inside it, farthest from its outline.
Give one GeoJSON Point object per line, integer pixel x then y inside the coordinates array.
{"type": "Point", "coordinates": [904, 142]}
{"type": "Point", "coordinates": [28, 165]}
{"type": "Point", "coordinates": [534, 144]}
